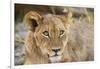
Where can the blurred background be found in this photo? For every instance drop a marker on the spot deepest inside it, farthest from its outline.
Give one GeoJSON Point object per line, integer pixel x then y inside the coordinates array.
{"type": "Point", "coordinates": [79, 14]}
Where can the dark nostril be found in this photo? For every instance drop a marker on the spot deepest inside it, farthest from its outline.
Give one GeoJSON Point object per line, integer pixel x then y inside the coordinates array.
{"type": "Point", "coordinates": [55, 50]}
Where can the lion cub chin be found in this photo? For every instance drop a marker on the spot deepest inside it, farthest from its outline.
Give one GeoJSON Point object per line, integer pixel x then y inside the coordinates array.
{"type": "Point", "coordinates": [55, 59]}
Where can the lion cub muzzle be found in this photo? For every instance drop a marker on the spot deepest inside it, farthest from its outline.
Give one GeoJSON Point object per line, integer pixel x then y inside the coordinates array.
{"type": "Point", "coordinates": [56, 51]}
{"type": "Point", "coordinates": [55, 57]}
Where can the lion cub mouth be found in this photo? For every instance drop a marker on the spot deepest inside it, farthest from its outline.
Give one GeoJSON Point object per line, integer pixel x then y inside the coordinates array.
{"type": "Point", "coordinates": [55, 59]}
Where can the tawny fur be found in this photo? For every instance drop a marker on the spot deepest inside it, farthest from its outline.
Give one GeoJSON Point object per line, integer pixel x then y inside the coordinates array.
{"type": "Point", "coordinates": [76, 44]}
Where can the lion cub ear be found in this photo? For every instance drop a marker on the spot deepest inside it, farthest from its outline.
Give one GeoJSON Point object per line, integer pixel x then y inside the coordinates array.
{"type": "Point", "coordinates": [68, 15]}
{"type": "Point", "coordinates": [67, 18]}
{"type": "Point", "coordinates": [32, 20]}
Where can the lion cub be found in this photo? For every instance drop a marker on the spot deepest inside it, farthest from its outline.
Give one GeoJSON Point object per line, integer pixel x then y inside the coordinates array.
{"type": "Point", "coordinates": [49, 40]}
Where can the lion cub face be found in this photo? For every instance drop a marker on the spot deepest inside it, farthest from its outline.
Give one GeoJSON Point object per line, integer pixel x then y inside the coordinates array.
{"type": "Point", "coordinates": [50, 33]}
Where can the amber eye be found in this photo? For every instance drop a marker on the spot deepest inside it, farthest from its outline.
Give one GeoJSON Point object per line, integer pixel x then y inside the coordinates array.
{"type": "Point", "coordinates": [61, 32]}
{"type": "Point", "coordinates": [46, 33]}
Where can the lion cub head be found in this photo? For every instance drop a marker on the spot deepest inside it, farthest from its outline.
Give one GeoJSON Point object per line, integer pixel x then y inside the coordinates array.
{"type": "Point", "coordinates": [50, 33]}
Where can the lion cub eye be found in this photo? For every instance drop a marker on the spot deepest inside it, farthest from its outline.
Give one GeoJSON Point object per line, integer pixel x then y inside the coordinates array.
{"type": "Point", "coordinates": [46, 33]}
{"type": "Point", "coordinates": [61, 32]}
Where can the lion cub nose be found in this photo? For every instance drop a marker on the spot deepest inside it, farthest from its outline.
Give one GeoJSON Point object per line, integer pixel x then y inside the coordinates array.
{"type": "Point", "coordinates": [56, 50]}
